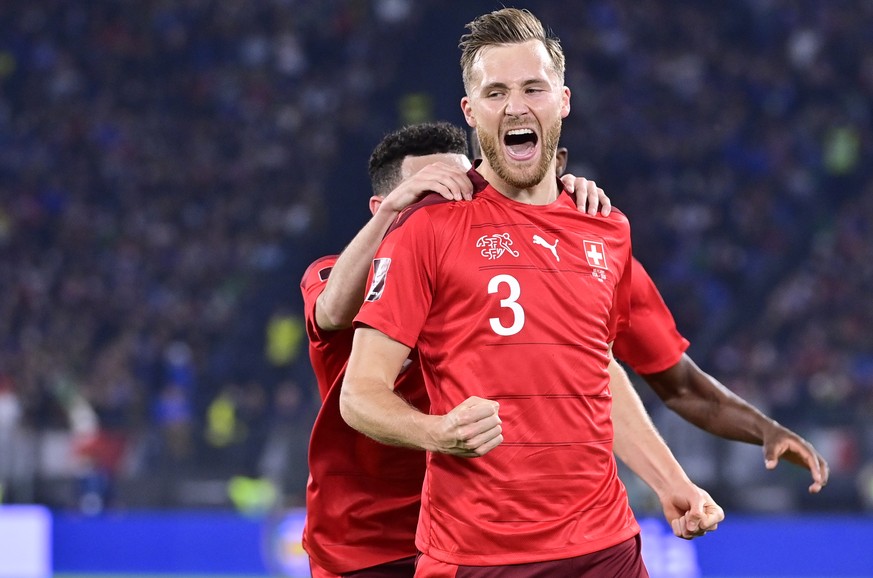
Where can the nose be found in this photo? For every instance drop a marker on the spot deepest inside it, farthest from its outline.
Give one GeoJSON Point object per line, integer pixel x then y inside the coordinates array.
{"type": "Point", "coordinates": [515, 104]}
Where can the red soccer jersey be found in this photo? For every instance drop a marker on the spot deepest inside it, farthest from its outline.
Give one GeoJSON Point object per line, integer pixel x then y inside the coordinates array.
{"type": "Point", "coordinates": [363, 497]}
{"type": "Point", "coordinates": [651, 343]}
{"type": "Point", "coordinates": [515, 303]}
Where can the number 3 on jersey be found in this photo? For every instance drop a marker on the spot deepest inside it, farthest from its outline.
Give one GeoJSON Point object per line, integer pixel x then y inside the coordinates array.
{"type": "Point", "coordinates": [510, 302]}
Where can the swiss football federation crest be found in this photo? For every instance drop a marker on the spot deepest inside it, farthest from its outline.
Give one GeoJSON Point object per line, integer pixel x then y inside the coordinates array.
{"type": "Point", "coordinates": [494, 246]}
{"type": "Point", "coordinates": [380, 272]}
{"type": "Point", "coordinates": [595, 254]}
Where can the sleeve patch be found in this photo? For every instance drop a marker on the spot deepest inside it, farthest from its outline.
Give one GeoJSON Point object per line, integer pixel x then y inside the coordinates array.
{"type": "Point", "coordinates": [380, 272]}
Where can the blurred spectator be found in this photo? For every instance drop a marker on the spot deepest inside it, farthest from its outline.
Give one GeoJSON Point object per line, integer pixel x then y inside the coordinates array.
{"type": "Point", "coordinates": [284, 342]}
{"type": "Point", "coordinates": [285, 451]}
{"type": "Point", "coordinates": [10, 434]}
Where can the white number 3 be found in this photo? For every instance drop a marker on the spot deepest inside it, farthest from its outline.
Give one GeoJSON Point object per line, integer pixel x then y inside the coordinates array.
{"type": "Point", "coordinates": [510, 302]}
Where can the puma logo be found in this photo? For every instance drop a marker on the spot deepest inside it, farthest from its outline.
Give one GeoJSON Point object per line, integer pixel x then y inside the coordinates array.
{"type": "Point", "coordinates": [537, 240]}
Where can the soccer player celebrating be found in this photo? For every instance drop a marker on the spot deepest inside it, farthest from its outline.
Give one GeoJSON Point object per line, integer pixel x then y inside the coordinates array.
{"type": "Point", "coordinates": [363, 497]}
{"type": "Point", "coordinates": [512, 301]}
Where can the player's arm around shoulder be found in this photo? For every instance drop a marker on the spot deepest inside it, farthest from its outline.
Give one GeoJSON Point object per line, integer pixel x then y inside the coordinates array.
{"type": "Point", "coordinates": [449, 181]}
{"type": "Point", "coordinates": [589, 197]}
{"type": "Point", "coordinates": [341, 298]}
{"type": "Point", "coordinates": [369, 405]}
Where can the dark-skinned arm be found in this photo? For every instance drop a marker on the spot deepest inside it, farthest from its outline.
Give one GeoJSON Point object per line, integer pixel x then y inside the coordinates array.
{"type": "Point", "coordinates": [703, 401]}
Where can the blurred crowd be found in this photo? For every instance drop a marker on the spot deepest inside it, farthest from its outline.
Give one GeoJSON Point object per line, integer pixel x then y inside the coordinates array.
{"type": "Point", "coordinates": [162, 164]}
{"type": "Point", "coordinates": [168, 169]}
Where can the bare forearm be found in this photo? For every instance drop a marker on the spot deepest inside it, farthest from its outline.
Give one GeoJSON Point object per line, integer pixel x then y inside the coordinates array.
{"type": "Point", "coordinates": [368, 402]}
{"type": "Point", "coordinates": [375, 410]}
{"type": "Point", "coordinates": [637, 442]}
{"type": "Point", "coordinates": [344, 293]}
{"type": "Point", "coordinates": [700, 399]}
{"type": "Point", "coordinates": [703, 401]}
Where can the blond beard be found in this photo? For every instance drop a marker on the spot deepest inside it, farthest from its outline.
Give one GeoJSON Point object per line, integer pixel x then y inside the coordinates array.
{"type": "Point", "coordinates": [521, 179]}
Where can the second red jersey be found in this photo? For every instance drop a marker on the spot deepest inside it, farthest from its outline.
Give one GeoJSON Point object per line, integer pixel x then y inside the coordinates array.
{"type": "Point", "coordinates": [516, 303]}
{"type": "Point", "coordinates": [650, 343]}
{"type": "Point", "coordinates": [362, 498]}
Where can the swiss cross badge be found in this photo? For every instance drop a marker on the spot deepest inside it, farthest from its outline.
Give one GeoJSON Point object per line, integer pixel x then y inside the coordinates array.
{"type": "Point", "coordinates": [595, 254]}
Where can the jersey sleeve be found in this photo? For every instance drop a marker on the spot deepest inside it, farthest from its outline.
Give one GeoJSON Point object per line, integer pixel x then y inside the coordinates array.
{"type": "Point", "coordinates": [311, 285]}
{"type": "Point", "coordinates": [401, 281]}
{"type": "Point", "coordinates": [651, 343]}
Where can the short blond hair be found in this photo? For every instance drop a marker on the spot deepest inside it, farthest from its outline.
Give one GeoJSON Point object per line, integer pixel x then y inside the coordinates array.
{"type": "Point", "coordinates": [506, 26]}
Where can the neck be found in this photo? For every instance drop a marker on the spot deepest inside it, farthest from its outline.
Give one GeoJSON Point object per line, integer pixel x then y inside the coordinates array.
{"type": "Point", "coordinates": [543, 193]}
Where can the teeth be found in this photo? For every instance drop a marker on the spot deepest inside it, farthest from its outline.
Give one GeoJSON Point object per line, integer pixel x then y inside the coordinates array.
{"type": "Point", "coordinates": [519, 131]}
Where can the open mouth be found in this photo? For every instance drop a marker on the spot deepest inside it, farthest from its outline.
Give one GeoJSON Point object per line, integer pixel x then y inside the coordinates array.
{"type": "Point", "coordinates": [521, 143]}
